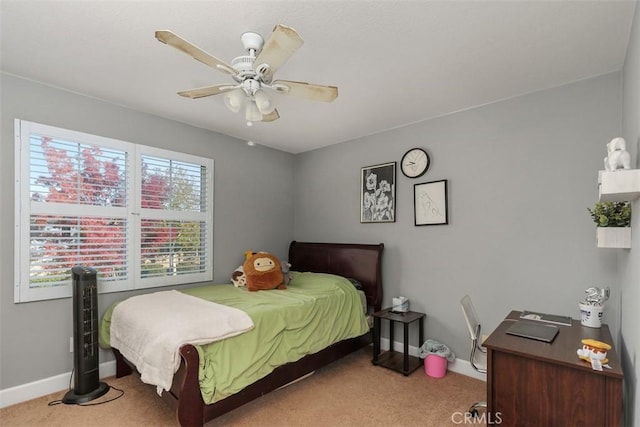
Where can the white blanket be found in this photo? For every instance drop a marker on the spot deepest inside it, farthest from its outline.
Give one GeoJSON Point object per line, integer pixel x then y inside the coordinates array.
{"type": "Point", "coordinates": [150, 329]}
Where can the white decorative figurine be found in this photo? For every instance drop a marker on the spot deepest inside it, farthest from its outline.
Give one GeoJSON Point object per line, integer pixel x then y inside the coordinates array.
{"type": "Point", "coordinates": [618, 157]}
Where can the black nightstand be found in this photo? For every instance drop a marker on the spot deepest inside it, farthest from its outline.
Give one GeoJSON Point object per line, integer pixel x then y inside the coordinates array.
{"type": "Point", "coordinates": [401, 362]}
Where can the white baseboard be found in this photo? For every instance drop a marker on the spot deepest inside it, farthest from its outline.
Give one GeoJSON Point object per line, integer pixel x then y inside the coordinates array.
{"type": "Point", "coordinates": [24, 392]}
{"type": "Point", "coordinates": [464, 367]}
{"type": "Point", "coordinates": [459, 366]}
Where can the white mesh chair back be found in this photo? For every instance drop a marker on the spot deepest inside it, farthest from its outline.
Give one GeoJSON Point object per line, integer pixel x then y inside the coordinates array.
{"type": "Point", "coordinates": [477, 358]}
{"type": "Point", "coordinates": [470, 315]}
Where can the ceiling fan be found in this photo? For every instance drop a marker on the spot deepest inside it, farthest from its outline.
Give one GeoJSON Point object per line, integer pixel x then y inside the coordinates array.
{"type": "Point", "coordinates": [253, 73]}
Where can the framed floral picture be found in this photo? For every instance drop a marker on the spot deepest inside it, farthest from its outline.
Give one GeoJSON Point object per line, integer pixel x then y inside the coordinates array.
{"type": "Point", "coordinates": [430, 203]}
{"type": "Point", "coordinates": [378, 193]}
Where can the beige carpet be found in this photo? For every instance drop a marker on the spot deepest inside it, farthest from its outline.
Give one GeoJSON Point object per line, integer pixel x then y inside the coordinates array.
{"type": "Point", "coordinates": [350, 392]}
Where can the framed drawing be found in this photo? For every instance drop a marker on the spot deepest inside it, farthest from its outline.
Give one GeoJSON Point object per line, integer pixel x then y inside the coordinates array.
{"type": "Point", "coordinates": [378, 193]}
{"type": "Point", "coordinates": [430, 203]}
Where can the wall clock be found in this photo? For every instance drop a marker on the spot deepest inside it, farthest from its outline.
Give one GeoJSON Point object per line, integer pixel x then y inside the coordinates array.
{"type": "Point", "coordinates": [415, 163]}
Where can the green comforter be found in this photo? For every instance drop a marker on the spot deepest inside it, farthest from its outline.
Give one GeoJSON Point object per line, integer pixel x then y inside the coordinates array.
{"type": "Point", "coordinates": [315, 311]}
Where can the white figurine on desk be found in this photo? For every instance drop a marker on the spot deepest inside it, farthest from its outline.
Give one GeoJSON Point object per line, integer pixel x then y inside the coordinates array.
{"type": "Point", "coordinates": [617, 155]}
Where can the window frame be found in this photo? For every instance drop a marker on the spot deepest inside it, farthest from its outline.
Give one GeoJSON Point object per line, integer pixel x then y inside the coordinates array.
{"type": "Point", "coordinates": [132, 211]}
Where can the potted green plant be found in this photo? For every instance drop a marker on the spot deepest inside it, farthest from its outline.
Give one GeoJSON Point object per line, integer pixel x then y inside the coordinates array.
{"type": "Point", "coordinates": [614, 224]}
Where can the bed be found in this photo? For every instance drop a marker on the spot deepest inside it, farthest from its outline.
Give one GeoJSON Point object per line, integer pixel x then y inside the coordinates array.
{"type": "Point", "coordinates": [357, 262]}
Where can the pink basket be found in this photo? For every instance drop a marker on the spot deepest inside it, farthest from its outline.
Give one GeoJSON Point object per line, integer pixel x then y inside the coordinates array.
{"type": "Point", "coordinates": [435, 366]}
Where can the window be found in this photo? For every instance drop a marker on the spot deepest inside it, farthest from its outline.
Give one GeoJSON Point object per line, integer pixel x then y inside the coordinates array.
{"type": "Point", "coordinates": [139, 215]}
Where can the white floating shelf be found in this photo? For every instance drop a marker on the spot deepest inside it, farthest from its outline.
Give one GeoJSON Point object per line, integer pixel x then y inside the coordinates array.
{"type": "Point", "coordinates": [619, 186]}
{"type": "Point", "coordinates": [613, 237]}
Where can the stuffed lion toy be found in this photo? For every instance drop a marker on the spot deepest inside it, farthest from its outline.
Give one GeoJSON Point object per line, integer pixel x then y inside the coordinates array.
{"type": "Point", "coordinates": [263, 272]}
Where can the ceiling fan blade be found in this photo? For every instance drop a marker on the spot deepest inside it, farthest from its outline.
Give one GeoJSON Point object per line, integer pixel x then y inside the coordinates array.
{"type": "Point", "coordinates": [277, 49]}
{"type": "Point", "coordinates": [306, 90]}
{"type": "Point", "coordinates": [201, 92]}
{"type": "Point", "coordinates": [195, 52]}
{"type": "Point", "coordinates": [271, 116]}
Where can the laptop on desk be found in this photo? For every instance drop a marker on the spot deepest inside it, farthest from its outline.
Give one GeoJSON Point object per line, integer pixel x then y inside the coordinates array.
{"type": "Point", "coordinates": [534, 331]}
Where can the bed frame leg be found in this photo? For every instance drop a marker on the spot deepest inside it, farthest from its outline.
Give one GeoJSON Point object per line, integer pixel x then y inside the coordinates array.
{"type": "Point", "coordinates": [122, 367]}
{"type": "Point", "coordinates": [190, 410]}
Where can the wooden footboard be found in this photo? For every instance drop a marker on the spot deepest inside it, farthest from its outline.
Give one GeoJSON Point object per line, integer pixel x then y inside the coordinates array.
{"type": "Point", "coordinates": [185, 396]}
{"type": "Point", "coordinates": [185, 390]}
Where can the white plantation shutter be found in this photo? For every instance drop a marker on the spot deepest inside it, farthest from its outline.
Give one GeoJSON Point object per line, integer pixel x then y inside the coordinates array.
{"type": "Point", "coordinates": [182, 251]}
{"type": "Point", "coordinates": [62, 171]}
{"type": "Point", "coordinates": [175, 236]}
{"type": "Point", "coordinates": [141, 217]}
{"type": "Point", "coordinates": [59, 242]}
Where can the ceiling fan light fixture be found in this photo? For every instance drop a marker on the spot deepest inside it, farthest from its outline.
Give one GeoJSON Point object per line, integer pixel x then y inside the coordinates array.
{"type": "Point", "coordinates": [234, 100]}
{"type": "Point", "coordinates": [264, 102]}
{"type": "Point", "coordinates": [252, 113]}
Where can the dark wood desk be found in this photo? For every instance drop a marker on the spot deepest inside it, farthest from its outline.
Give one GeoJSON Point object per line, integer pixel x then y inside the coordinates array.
{"type": "Point", "coordinates": [532, 383]}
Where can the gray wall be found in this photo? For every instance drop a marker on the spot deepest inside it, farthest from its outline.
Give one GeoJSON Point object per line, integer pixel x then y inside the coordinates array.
{"type": "Point", "coordinates": [34, 337]}
{"type": "Point", "coordinates": [629, 266]}
{"type": "Point", "coordinates": [521, 173]}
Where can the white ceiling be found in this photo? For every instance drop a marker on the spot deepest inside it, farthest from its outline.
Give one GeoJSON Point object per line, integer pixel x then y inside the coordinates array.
{"type": "Point", "coordinates": [394, 62]}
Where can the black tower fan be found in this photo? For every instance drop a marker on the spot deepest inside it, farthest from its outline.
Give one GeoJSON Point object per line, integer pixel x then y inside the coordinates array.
{"type": "Point", "coordinates": [85, 338]}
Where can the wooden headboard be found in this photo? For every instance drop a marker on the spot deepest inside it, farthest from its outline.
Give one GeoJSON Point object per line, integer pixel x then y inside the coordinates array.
{"type": "Point", "coordinates": [362, 262]}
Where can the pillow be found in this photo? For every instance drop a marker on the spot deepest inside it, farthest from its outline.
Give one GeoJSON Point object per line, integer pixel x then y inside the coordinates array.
{"type": "Point", "coordinates": [263, 271]}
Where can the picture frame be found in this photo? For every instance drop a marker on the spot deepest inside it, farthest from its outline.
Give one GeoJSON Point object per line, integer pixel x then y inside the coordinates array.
{"type": "Point", "coordinates": [430, 203]}
{"type": "Point", "coordinates": [378, 193]}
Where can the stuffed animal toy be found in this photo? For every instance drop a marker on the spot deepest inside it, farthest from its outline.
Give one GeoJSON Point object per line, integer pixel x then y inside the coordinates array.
{"type": "Point", "coordinates": [238, 278]}
{"type": "Point", "coordinates": [594, 350]}
{"type": "Point", "coordinates": [286, 272]}
{"type": "Point", "coordinates": [263, 272]}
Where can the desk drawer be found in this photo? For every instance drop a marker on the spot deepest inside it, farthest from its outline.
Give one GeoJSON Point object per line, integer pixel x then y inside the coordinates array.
{"type": "Point", "coordinates": [529, 392]}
